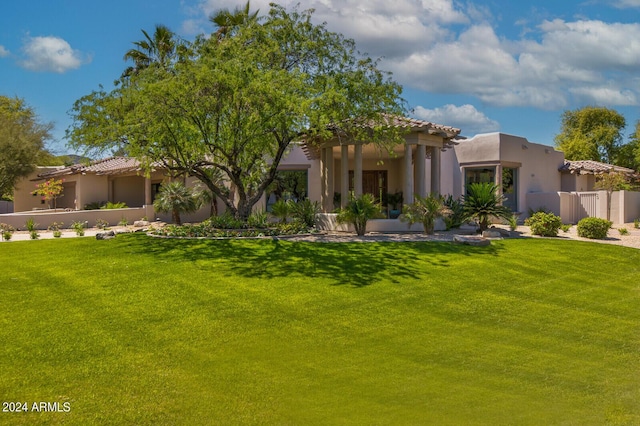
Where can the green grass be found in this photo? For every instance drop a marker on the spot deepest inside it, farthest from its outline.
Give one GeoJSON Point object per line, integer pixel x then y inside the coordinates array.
{"type": "Point", "coordinates": [146, 331]}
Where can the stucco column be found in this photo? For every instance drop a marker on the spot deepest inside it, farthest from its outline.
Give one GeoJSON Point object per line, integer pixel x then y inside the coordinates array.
{"type": "Point", "coordinates": [357, 172]}
{"type": "Point", "coordinates": [408, 175]}
{"type": "Point", "coordinates": [330, 178]}
{"type": "Point", "coordinates": [421, 154]}
{"type": "Point", "coordinates": [323, 179]}
{"type": "Point", "coordinates": [498, 178]}
{"type": "Point", "coordinates": [435, 170]}
{"type": "Point", "coordinates": [344, 175]}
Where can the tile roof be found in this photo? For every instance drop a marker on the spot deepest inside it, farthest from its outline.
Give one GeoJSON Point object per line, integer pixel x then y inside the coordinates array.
{"type": "Point", "coordinates": [107, 166]}
{"type": "Point", "coordinates": [447, 132]}
{"type": "Point", "coordinates": [585, 167]}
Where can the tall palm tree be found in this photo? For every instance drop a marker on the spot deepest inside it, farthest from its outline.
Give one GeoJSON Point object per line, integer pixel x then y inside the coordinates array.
{"type": "Point", "coordinates": [226, 21]}
{"type": "Point", "coordinates": [159, 49]}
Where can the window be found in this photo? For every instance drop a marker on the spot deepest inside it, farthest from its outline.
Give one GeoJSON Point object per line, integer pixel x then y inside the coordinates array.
{"type": "Point", "coordinates": [479, 175]}
{"type": "Point", "coordinates": [288, 185]}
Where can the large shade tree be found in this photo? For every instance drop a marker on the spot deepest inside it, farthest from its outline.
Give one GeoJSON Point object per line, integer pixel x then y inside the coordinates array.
{"type": "Point", "coordinates": [235, 104]}
{"type": "Point", "coordinates": [591, 133]}
{"type": "Point", "coordinates": [22, 142]}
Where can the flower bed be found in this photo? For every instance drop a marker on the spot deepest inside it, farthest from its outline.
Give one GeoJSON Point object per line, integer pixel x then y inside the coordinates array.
{"type": "Point", "coordinates": [206, 230]}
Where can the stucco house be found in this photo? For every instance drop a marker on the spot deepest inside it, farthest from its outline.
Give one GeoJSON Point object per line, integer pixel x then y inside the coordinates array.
{"type": "Point", "coordinates": [433, 158]}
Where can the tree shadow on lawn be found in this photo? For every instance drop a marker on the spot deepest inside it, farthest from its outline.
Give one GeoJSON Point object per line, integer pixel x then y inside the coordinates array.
{"type": "Point", "coordinates": [355, 264]}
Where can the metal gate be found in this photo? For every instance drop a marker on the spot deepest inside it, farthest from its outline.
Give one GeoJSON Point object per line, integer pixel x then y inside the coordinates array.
{"type": "Point", "coordinates": [587, 205]}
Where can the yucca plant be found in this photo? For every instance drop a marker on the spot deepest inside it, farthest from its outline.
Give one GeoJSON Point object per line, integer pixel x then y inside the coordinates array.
{"type": "Point", "coordinates": [425, 210]}
{"type": "Point", "coordinates": [482, 203]}
{"type": "Point", "coordinates": [359, 211]}
{"type": "Point", "coordinates": [176, 198]}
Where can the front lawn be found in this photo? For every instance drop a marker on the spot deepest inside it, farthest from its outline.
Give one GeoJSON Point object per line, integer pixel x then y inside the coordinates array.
{"type": "Point", "coordinates": [148, 331]}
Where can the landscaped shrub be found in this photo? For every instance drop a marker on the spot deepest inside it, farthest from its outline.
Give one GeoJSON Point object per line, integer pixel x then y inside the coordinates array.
{"type": "Point", "coordinates": [544, 224]}
{"type": "Point", "coordinates": [110, 205]}
{"type": "Point", "coordinates": [456, 218]}
{"type": "Point", "coordinates": [358, 211]}
{"type": "Point", "coordinates": [482, 203]}
{"type": "Point", "coordinates": [6, 231]}
{"type": "Point", "coordinates": [594, 228]}
{"type": "Point", "coordinates": [257, 219]}
{"type": "Point", "coordinates": [281, 209]}
{"type": "Point", "coordinates": [78, 226]}
{"type": "Point", "coordinates": [225, 221]}
{"type": "Point", "coordinates": [55, 227]}
{"type": "Point", "coordinates": [425, 210]}
{"type": "Point", "coordinates": [305, 212]}
{"type": "Point", "coordinates": [623, 231]}
{"type": "Point", "coordinates": [94, 205]}
{"type": "Point", "coordinates": [102, 224]}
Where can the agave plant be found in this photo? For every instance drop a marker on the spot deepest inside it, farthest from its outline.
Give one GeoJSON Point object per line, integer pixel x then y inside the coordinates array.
{"type": "Point", "coordinates": [425, 210]}
{"type": "Point", "coordinates": [483, 202]}
{"type": "Point", "coordinates": [176, 198]}
{"type": "Point", "coordinates": [358, 211]}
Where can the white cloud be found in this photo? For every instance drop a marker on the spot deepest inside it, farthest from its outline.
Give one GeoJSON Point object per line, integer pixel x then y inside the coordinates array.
{"type": "Point", "coordinates": [465, 117]}
{"type": "Point", "coordinates": [3, 51]}
{"type": "Point", "coordinates": [625, 4]}
{"type": "Point", "coordinates": [51, 54]}
{"type": "Point", "coordinates": [451, 47]}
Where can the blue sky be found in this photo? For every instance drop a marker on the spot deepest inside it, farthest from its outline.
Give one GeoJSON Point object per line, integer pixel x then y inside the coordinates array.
{"type": "Point", "coordinates": [483, 66]}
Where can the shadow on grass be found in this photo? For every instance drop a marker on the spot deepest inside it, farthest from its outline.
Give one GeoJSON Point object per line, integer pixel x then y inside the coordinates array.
{"type": "Point", "coordinates": [355, 264]}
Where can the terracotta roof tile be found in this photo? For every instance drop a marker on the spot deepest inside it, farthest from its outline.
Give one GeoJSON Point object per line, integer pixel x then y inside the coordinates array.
{"type": "Point", "coordinates": [585, 167]}
{"type": "Point", "coordinates": [107, 166]}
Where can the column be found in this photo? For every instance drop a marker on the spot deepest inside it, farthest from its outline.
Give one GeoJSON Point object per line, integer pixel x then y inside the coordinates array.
{"type": "Point", "coordinates": [498, 178]}
{"type": "Point", "coordinates": [344, 175]}
{"type": "Point", "coordinates": [357, 172]}
{"type": "Point", "coordinates": [323, 180]}
{"type": "Point", "coordinates": [408, 175]}
{"type": "Point", "coordinates": [435, 169]}
{"type": "Point", "coordinates": [331, 187]}
{"type": "Point", "coordinates": [421, 154]}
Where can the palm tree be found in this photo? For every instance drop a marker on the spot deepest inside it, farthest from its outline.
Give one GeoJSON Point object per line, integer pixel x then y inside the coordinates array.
{"type": "Point", "coordinates": [483, 202]}
{"type": "Point", "coordinates": [176, 198]}
{"type": "Point", "coordinates": [159, 49]}
{"type": "Point", "coordinates": [358, 211]}
{"type": "Point", "coordinates": [226, 21]}
{"type": "Point", "coordinates": [425, 210]}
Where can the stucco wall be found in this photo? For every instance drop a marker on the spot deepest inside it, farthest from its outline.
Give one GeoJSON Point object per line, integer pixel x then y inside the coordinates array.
{"type": "Point", "coordinates": [129, 190]}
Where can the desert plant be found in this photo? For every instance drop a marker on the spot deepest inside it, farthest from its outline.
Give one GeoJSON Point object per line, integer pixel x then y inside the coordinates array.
{"type": "Point", "coordinates": [78, 227]}
{"type": "Point", "coordinates": [102, 224]}
{"type": "Point", "coordinates": [513, 222]}
{"type": "Point", "coordinates": [94, 205]}
{"type": "Point", "coordinates": [6, 231]}
{"type": "Point", "coordinates": [176, 198]}
{"type": "Point", "coordinates": [34, 235]}
{"type": "Point", "coordinates": [31, 224]}
{"type": "Point", "coordinates": [257, 219]}
{"type": "Point", "coordinates": [55, 227]}
{"type": "Point", "coordinates": [281, 209]}
{"type": "Point", "coordinates": [225, 221]}
{"type": "Point", "coordinates": [456, 218]}
{"type": "Point", "coordinates": [565, 227]}
{"type": "Point", "coordinates": [109, 205]}
{"type": "Point", "coordinates": [305, 212]}
{"type": "Point", "coordinates": [425, 210]}
{"type": "Point", "coordinates": [358, 211]}
{"type": "Point", "coordinates": [123, 222]}
{"type": "Point", "coordinates": [544, 224]}
{"type": "Point", "coordinates": [594, 228]}
{"type": "Point", "coordinates": [623, 231]}
{"type": "Point", "coordinates": [636, 223]}
{"type": "Point", "coordinates": [482, 203]}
